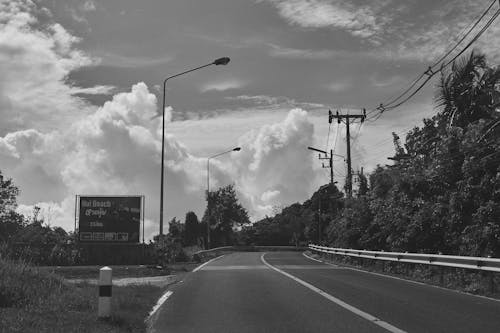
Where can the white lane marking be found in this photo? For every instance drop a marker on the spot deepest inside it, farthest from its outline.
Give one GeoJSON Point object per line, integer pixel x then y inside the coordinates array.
{"type": "Point", "coordinates": [208, 262]}
{"type": "Point", "coordinates": [308, 257]}
{"type": "Point", "coordinates": [238, 267]}
{"type": "Point", "coordinates": [305, 267]}
{"type": "Point", "coordinates": [407, 280]}
{"type": "Point", "coordinates": [337, 301]}
{"type": "Point", "coordinates": [162, 300]}
{"type": "Point", "coordinates": [324, 262]}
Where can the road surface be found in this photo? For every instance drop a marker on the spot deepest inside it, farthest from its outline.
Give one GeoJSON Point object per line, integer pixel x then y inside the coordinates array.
{"type": "Point", "coordinates": [287, 292]}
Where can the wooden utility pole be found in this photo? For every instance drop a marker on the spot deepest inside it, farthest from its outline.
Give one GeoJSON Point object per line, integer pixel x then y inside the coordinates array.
{"type": "Point", "coordinates": [347, 118]}
{"type": "Point", "coordinates": [330, 164]}
{"type": "Point", "coordinates": [330, 160]}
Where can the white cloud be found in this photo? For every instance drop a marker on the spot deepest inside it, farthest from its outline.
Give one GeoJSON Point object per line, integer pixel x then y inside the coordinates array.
{"type": "Point", "coordinates": [428, 36]}
{"type": "Point", "coordinates": [223, 85]}
{"type": "Point", "coordinates": [268, 102]}
{"type": "Point", "coordinates": [362, 21]}
{"type": "Point", "coordinates": [409, 31]}
{"type": "Point", "coordinates": [131, 61]}
{"type": "Point", "coordinates": [269, 195]}
{"type": "Point", "coordinates": [95, 90]}
{"type": "Point", "coordinates": [34, 66]}
{"type": "Point", "coordinates": [273, 159]}
{"type": "Point", "coordinates": [88, 6]}
{"type": "Point", "coordinates": [380, 82]}
{"type": "Point", "coordinates": [339, 86]}
{"type": "Point", "coordinates": [115, 150]}
{"type": "Point", "coordinates": [291, 53]}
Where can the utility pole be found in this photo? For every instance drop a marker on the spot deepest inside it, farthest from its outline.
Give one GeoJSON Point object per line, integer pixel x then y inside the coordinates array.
{"type": "Point", "coordinates": [330, 164]}
{"type": "Point", "coordinates": [347, 118]}
{"type": "Point", "coordinates": [330, 160]}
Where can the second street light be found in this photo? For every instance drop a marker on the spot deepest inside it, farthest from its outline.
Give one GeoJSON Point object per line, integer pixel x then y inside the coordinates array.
{"type": "Point", "coordinates": [220, 61]}
{"type": "Point", "coordinates": [208, 191]}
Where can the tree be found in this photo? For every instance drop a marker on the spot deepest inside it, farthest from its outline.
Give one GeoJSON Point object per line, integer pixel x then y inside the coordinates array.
{"type": "Point", "coordinates": [226, 214]}
{"type": "Point", "coordinates": [192, 229]}
{"type": "Point", "coordinates": [11, 222]}
{"type": "Point", "coordinates": [468, 92]}
{"type": "Point", "coordinates": [175, 230]}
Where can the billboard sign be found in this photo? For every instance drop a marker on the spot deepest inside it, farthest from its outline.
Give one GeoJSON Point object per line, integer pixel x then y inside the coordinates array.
{"type": "Point", "coordinates": [113, 219]}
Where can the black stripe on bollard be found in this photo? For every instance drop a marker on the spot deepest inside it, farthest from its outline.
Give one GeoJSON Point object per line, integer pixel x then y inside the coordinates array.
{"type": "Point", "coordinates": [104, 291]}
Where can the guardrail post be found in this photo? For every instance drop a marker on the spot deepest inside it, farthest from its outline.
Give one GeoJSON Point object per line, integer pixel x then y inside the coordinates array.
{"type": "Point", "coordinates": [105, 286]}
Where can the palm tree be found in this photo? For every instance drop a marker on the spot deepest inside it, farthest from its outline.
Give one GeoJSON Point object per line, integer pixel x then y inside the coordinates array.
{"type": "Point", "coordinates": [469, 91]}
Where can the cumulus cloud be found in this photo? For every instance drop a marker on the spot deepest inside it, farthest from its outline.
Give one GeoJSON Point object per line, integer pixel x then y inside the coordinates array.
{"type": "Point", "coordinates": [34, 64]}
{"type": "Point", "coordinates": [115, 150]}
{"type": "Point", "coordinates": [273, 166]}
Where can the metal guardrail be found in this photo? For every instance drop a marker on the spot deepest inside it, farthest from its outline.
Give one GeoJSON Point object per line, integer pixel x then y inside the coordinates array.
{"type": "Point", "coordinates": [477, 263]}
{"type": "Point", "coordinates": [198, 256]}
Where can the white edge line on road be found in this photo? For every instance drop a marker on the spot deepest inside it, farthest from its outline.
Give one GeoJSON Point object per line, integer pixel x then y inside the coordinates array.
{"type": "Point", "coordinates": [321, 261]}
{"type": "Point", "coordinates": [206, 263]}
{"type": "Point", "coordinates": [405, 280]}
{"type": "Point", "coordinates": [305, 255]}
{"type": "Point", "coordinates": [162, 300]}
{"type": "Point", "coordinates": [337, 301]}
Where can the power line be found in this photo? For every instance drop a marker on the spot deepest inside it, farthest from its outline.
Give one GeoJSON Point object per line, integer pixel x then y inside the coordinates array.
{"type": "Point", "coordinates": [492, 19]}
{"type": "Point", "coordinates": [382, 142]}
{"type": "Point", "coordinates": [465, 36]}
{"type": "Point", "coordinates": [430, 72]}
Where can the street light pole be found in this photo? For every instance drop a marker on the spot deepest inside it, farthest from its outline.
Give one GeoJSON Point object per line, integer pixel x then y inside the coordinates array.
{"type": "Point", "coordinates": [220, 61]}
{"type": "Point", "coordinates": [208, 191]}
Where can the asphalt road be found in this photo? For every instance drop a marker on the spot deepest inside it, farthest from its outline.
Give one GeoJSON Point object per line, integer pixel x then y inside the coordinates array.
{"type": "Point", "coordinates": [287, 292]}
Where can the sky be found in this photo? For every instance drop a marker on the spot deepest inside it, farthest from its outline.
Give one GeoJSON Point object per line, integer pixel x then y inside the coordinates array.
{"type": "Point", "coordinates": [81, 95]}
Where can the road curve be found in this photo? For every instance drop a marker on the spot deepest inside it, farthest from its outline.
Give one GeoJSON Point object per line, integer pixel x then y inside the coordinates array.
{"type": "Point", "coordinates": [287, 292]}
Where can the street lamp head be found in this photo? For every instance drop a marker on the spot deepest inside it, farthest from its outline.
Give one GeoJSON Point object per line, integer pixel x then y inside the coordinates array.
{"type": "Point", "coordinates": [221, 61]}
{"type": "Point", "coordinates": [318, 150]}
{"type": "Point", "coordinates": [237, 149]}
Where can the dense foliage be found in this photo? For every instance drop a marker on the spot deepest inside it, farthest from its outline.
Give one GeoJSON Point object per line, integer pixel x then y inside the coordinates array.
{"type": "Point", "coordinates": [30, 238]}
{"type": "Point", "coordinates": [441, 195]}
{"type": "Point", "coordinates": [224, 215]}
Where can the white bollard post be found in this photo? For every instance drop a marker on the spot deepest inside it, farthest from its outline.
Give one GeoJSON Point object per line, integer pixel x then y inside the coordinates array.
{"type": "Point", "coordinates": [105, 286]}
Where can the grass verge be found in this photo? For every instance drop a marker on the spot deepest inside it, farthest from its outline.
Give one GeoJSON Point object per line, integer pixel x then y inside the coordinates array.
{"type": "Point", "coordinates": [32, 300]}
